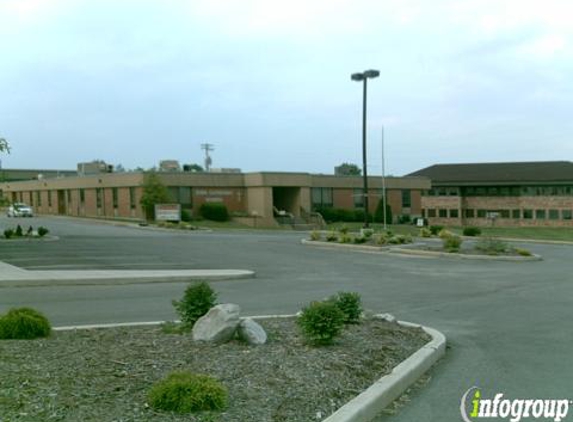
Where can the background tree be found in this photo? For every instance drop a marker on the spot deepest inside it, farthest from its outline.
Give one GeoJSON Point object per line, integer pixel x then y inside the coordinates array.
{"type": "Point", "coordinates": [194, 168]}
{"type": "Point", "coordinates": [4, 147]}
{"type": "Point", "coordinates": [347, 169]}
{"type": "Point", "coordinates": [154, 192]}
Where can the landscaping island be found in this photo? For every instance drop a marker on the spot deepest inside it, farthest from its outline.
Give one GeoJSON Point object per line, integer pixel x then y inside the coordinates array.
{"type": "Point", "coordinates": [106, 374]}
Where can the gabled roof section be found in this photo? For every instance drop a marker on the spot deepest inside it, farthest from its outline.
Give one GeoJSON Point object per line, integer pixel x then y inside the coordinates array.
{"type": "Point", "coordinates": [540, 171]}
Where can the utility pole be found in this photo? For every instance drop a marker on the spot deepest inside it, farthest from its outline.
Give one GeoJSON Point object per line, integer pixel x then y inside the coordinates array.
{"type": "Point", "coordinates": [208, 161]}
{"type": "Point", "coordinates": [383, 181]}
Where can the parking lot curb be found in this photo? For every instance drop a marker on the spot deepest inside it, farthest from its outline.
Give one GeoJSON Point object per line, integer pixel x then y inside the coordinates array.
{"type": "Point", "coordinates": [368, 404]}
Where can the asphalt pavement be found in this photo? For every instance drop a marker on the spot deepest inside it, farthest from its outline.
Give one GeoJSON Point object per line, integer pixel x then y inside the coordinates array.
{"type": "Point", "coordinates": [507, 323]}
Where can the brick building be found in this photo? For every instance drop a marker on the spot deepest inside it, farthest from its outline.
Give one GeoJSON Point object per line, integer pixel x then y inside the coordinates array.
{"type": "Point", "coordinates": [254, 198]}
{"type": "Point", "coordinates": [505, 194]}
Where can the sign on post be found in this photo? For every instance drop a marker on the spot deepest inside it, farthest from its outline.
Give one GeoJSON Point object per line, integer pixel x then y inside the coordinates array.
{"type": "Point", "coordinates": [168, 212]}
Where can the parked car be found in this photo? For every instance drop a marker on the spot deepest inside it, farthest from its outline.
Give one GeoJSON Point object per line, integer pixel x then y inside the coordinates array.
{"type": "Point", "coordinates": [20, 209]}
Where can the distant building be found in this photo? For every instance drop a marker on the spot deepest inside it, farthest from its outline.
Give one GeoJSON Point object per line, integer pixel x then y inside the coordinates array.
{"type": "Point", "coordinates": [505, 194]}
{"type": "Point", "coordinates": [94, 167]}
{"type": "Point", "coordinates": [12, 175]}
{"type": "Point", "coordinates": [169, 165]}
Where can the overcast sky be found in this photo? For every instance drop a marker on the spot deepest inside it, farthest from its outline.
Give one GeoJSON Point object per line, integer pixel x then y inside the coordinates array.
{"type": "Point", "coordinates": [268, 82]}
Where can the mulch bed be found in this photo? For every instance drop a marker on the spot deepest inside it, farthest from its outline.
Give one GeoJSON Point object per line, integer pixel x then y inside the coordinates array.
{"type": "Point", "coordinates": [104, 375]}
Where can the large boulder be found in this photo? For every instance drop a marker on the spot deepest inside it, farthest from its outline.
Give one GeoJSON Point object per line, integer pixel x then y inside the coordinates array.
{"type": "Point", "coordinates": [218, 325]}
{"type": "Point", "coordinates": [251, 332]}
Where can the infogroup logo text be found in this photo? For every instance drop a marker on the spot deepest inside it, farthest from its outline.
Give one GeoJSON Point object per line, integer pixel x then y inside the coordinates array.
{"type": "Point", "coordinates": [474, 408]}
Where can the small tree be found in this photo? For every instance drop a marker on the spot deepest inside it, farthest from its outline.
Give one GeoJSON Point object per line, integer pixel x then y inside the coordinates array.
{"type": "Point", "coordinates": [379, 213]}
{"type": "Point", "coordinates": [154, 192]}
{"type": "Point", "coordinates": [348, 169]}
{"type": "Point", "coordinates": [4, 146]}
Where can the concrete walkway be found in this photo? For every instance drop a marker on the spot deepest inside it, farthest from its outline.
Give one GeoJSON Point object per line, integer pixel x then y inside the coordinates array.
{"type": "Point", "coordinates": [11, 276]}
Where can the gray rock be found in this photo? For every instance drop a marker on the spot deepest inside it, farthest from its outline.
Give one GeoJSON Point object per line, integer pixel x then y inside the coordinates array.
{"type": "Point", "coordinates": [218, 325]}
{"type": "Point", "coordinates": [252, 332]}
{"type": "Point", "coordinates": [389, 317]}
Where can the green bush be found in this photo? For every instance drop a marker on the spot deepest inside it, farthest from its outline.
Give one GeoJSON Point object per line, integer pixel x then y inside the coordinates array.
{"type": "Point", "coordinates": [197, 300]}
{"type": "Point", "coordinates": [333, 215]}
{"type": "Point", "coordinates": [24, 323]}
{"type": "Point", "coordinates": [523, 252]}
{"type": "Point", "coordinates": [452, 242]}
{"type": "Point", "coordinates": [8, 233]}
{"type": "Point", "coordinates": [346, 238]}
{"type": "Point", "coordinates": [436, 229]}
{"type": "Point", "coordinates": [350, 304]}
{"type": "Point", "coordinates": [185, 216]}
{"type": "Point", "coordinates": [367, 233]}
{"type": "Point", "coordinates": [381, 239]}
{"type": "Point", "coordinates": [184, 392]}
{"type": "Point", "coordinates": [42, 231]}
{"type": "Point", "coordinates": [360, 239]}
{"type": "Point", "coordinates": [321, 322]}
{"type": "Point", "coordinates": [343, 229]}
{"type": "Point", "coordinates": [399, 239]}
{"type": "Point", "coordinates": [424, 232]}
{"type": "Point", "coordinates": [19, 232]}
{"type": "Point", "coordinates": [491, 246]}
{"type": "Point", "coordinates": [472, 231]}
{"type": "Point", "coordinates": [379, 213]}
{"type": "Point", "coordinates": [332, 237]}
{"type": "Point", "coordinates": [315, 235]}
{"type": "Point", "coordinates": [404, 219]}
{"type": "Point", "coordinates": [214, 211]}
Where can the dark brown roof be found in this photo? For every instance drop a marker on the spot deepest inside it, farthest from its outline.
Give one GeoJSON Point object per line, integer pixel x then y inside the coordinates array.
{"type": "Point", "coordinates": [498, 173]}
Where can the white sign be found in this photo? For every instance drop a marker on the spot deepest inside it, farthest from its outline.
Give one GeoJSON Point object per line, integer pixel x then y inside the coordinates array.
{"type": "Point", "coordinates": [168, 212]}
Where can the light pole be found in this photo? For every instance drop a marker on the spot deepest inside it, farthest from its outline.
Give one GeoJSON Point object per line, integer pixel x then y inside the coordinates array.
{"type": "Point", "coordinates": [358, 77]}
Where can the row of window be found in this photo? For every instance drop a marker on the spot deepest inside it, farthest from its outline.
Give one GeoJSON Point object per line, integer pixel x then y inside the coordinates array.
{"type": "Point", "coordinates": [501, 191]}
{"type": "Point", "coordinates": [65, 196]}
{"type": "Point", "coordinates": [527, 214]}
{"type": "Point", "coordinates": [322, 197]}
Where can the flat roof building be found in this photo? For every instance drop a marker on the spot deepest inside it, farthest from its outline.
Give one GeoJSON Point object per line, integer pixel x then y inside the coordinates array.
{"type": "Point", "coordinates": [506, 194]}
{"type": "Point", "coordinates": [253, 198]}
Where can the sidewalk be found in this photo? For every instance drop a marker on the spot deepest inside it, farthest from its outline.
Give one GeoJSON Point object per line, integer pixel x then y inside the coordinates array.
{"type": "Point", "coordinates": [11, 276]}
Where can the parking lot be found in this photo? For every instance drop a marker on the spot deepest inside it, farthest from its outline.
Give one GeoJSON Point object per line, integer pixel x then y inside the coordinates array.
{"type": "Point", "coordinates": [507, 323]}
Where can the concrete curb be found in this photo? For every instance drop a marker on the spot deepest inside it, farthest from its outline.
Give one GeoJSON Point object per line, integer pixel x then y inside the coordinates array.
{"type": "Point", "coordinates": [11, 276]}
{"type": "Point", "coordinates": [424, 253]}
{"type": "Point", "coordinates": [397, 250]}
{"type": "Point", "coordinates": [368, 404]}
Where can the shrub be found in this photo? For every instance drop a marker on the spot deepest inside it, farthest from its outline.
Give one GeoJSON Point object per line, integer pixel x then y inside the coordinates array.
{"type": "Point", "coordinates": [379, 213]}
{"type": "Point", "coordinates": [404, 219]}
{"type": "Point", "coordinates": [196, 302]}
{"type": "Point", "coordinates": [522, 252]}
{"type": "Point", "coordinates": [19, 232]}
{"type": "Point", "coordinates": [436, 229]}
{"type": "Point", "coordinates": [400, 239]}
{"type": "Point", "coordinates": [214, 211]}
{"type": "Point", "coordinates": [452, 243]}
{"type": "Point", "coordinates": [8, 233]}
{"type": "Point", "coordinates": [345, 238]}
{"type": "Point", "coordinates": [350, 304]}
{"type": "Point", "coordinates": [444, 234]}
{"type": "Point", "coordinates": [332, 237]}
{"type": "Point", "coordinates": [360, 239]}
{"type": "Point", "coordinates": [491, 246]}
{"type": "Point", "coordinates": [424, 232]}
{"type": "Point", "coordinates": [367, 233]}
{"type": "Point", "coordinates": [321, 322]}
{"type": "Point", "coordinates": [24, 323]}
{"type": "Point", "coordinates": [343, 229]}
{"type": "Point", "coordinates": [315, 235]}
{"type": "Point", "coordinates": [185, 216]}
{"type": "Point", "coordinates": [381, 239]}
{"type": "Point", "coordinates": [30, 231]}
{"type": "Point", "coordinates": [185, 392]}
{"type": "Point", "coordinates": [472, 231]}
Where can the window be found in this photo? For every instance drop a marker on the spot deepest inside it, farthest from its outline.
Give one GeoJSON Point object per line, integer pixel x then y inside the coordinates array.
{"type": "Point", "coordinates": [470, 213]}
{"type": "Point", "coordinates": [99, 197]}
{"type": "Point", "coordinates": [492, 192]}
{"type": "Point", "coordinates": [516, 214]}
{"type": "Point", "coordinates": [406, 198]}
{"type": "Point", "coordinates": [132, 197]}
{"type": "Point", "coordinates": [528, 214]}
{"type": "Point", "coordinates": [31, 198]}
{"type": "Point", "coordinates": [504, 213]}
{"type": "Point", "coordinates": [453, 191]}
{"type": "Point", "coordinates": [69, 194]}
{"type": "Point", "coordinates": [358, 196]}
{"type": "Point", "coordinates": [115, 197]}
{"type": "Point", "coordinates": [431, 213]}
{"type": "Point", "coordinates": [185, 198]}
{"type": "Point", "coordinates": [321, 197]}
{"type": "Point", "coordinates": [38, 198]}
{"type": "Point", "coordinates": [554, 214]}
{"type": "Point", "coordinates": [566, 214]}
{"type": "Point", "coordinates": [82, 196]}
{"type": "Point", "coordinates": [481, 213]}
{"type": "Point", "coordinates": [540, 214]}
{"type": "Point", "coordinates": [443, 213]}
{"type": "Point", "coordinates": [454, 213]}
{"type": "Point", "coordinates": [49, 198]}
{"type": "Point", "coordinates": [442, 192]}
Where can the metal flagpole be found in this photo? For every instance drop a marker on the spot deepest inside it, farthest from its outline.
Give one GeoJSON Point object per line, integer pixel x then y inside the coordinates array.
{"type": "Point", "coordinates": [383, 181]}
